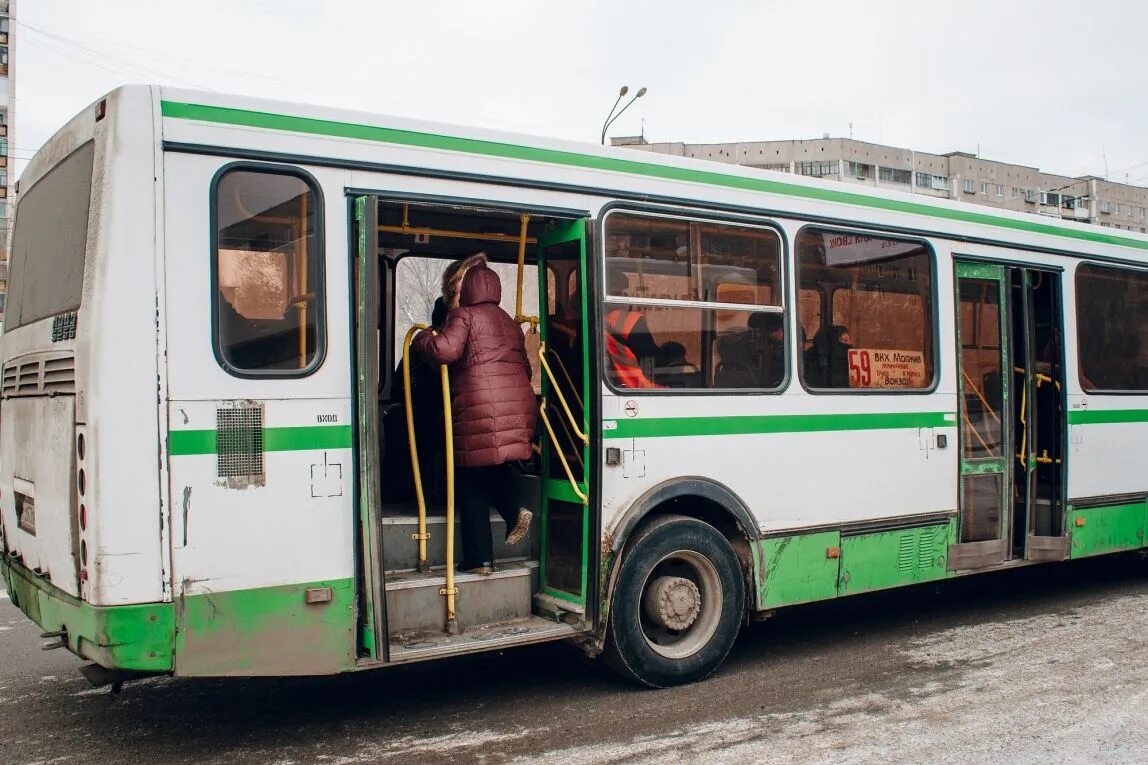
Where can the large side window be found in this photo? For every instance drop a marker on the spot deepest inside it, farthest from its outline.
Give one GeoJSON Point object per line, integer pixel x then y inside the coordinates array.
{"type": "Point", "coordinates": [879, 291]}
{"type": "Point", "coordinates": [692, 304]}
{"type": "Point", "coordinates": [269, 301]}
{"type": "Point", "coordinates": [1112, 328]}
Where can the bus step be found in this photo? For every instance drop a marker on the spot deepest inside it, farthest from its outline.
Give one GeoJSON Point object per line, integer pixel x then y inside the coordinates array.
{"type": "Point", "coordinates": [414, 605]}
{"type": "Point", "coordinates": [487, 637]}
{"type": "Point", "coordinates": [401, 552]}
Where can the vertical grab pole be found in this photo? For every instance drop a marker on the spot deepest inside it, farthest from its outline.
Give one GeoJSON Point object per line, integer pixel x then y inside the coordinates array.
{"type": "Point", "coordinates": [301, 278]}
{"type": "Point", "coordinates": [450, 591]}
{"type": "Point", "coordinates": [518, 317]}
{"type": "Point", "coordinates": [422, 536]}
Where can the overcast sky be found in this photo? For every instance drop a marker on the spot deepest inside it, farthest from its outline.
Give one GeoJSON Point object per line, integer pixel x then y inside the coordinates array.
{"type": "Point", "coordinates": [1054, 84]}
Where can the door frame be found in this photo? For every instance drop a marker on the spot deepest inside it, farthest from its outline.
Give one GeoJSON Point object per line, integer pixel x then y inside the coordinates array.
{"type": "Point", "coordinates": [981, 554]}
{"type": "Point", "coordinates": [366, 311]}
{"type": "Point", "coordinates": [1044, 547]}
{"type": "Point", "coordinates": [574, 230]}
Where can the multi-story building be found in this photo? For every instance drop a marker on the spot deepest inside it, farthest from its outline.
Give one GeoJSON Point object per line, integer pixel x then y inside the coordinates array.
{"type": "Point", "coordinates": [956, 175]}
{"type": "Point", "coordinates": [7, 106]}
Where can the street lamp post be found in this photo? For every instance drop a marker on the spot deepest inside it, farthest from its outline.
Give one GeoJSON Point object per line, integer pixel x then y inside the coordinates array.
{"type": "Point", "coordinates": [612, 116]}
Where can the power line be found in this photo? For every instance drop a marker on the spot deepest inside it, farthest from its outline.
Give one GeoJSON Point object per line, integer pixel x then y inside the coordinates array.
{"type": "Point", "coordinates": [103, 56]}
{"type": "Point", "coordinates": [161, 55]}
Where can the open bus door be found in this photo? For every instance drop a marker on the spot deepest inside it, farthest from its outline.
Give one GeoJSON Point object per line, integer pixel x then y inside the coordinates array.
{"type": "Point", "coordinates": [983, 363]}
{"type": "Point", "coordinates": [372, 617]}
{"type": "Point", "coordinates": [567, 470]}
{"type": "Point", "coordinates": [1039, 456]}
{"type": "Point", "coordinates": [1012, 416]}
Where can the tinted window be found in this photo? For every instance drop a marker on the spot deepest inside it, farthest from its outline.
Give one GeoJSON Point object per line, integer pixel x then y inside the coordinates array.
{"type": "Point", "coordinates": [269, 267]}
{"type": "Point", "coordinates": [687, 304]}
{"type": "Point", "coordinates": [881, 294]}
{"type": "Point", "coordinates": [49, 241]}
{"type": "Point", "coordinates": [1112, 328]}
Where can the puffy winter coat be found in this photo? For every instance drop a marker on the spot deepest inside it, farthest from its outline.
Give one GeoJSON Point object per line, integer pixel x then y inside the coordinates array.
{"type": "Point", "coordinates": [492, 401]}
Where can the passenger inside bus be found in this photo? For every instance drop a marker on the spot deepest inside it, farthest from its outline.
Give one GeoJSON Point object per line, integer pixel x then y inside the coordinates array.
{"type": "Point", "coordinates": [630, 346]}
{"type": "Point", "coordinates": [827, 361]}
{"type": "Point", "coordinates": [493, 406]}
{"type": "Point", "coordinates": [673, 369]}
{"type": "Point", "coordinates": [753, 357]}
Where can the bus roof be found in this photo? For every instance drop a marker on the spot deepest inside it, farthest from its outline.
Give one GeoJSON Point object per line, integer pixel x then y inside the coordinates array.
{"type": "Point", "coordinates": [612, 169]}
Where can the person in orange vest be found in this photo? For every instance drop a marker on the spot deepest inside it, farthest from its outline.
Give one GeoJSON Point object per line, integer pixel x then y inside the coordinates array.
{"type": "Point", "coordinates": [628, 339]}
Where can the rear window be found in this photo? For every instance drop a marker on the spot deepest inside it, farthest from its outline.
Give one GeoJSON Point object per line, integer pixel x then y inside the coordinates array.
{"type": "Point", "coordinates": [47, 260]}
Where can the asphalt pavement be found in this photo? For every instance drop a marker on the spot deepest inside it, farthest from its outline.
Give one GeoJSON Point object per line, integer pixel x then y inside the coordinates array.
{"type": "Point", "coordinates": [1038, 665]}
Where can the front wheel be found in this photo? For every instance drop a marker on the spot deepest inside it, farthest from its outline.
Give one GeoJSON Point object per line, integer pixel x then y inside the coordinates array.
{"type": "Point", "coordinates": [678, 603]}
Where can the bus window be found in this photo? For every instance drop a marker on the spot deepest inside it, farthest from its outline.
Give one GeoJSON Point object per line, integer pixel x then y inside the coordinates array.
{"type": "Point", "coordinates": [268, 272]}
{"type": "Point", "coordinates": [881, 332]}
{"type": "Point", "coordinates": [1112, 328]}
{"type": "Point", "coordinates": [724, 337]}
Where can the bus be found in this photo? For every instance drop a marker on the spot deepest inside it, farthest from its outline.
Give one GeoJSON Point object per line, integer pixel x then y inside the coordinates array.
{"type": "Point", "coordinates": [755, 390]}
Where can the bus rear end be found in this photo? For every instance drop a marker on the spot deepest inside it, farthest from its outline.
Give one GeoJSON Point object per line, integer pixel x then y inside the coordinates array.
{"type": "Point", "coordinates": [80, 492]}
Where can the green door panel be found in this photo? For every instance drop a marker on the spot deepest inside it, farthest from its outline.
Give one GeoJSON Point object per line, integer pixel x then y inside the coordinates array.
{"type": "Point", "coordinates": [894, 558]}
{"type": "Point", "coordinates": [566, 520]}
{"type": "Point", "coordinates": [797, 569]}
{"type": "Point", "coordinates": [1098, 530]}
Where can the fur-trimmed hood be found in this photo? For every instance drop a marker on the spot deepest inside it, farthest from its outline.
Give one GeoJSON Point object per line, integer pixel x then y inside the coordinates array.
{"type": "Point", "coordinates": [453, 275]}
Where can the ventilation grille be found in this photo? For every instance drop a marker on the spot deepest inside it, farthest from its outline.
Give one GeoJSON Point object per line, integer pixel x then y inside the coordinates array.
{"type": "Point", "coordinates": [915, 551]}
{"type": "Point", "coordinates": [239, 442]}
{"type": "Point", "coordinates": [42, 376]}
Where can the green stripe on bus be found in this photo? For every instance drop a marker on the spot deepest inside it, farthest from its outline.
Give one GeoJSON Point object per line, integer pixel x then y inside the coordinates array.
{"type": "Point", "coordinates": [668, 427]}
{"type": "Point", "coordinates": [313, 126]}
{"type": "Point", "coordinates": [186, 442]}
{"type": "Point", "coordinates": [1106, 416]}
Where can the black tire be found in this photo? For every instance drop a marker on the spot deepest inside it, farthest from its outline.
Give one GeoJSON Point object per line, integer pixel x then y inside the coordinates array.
{"type": "Point", "coordinates": [662, 553]}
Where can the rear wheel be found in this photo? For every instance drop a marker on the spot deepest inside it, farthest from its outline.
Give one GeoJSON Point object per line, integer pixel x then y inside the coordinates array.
{"type": "Point", "coordinates": [678, 603]}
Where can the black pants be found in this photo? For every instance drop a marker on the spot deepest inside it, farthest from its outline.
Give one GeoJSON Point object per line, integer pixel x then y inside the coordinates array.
{"type": "Point", "coordinates": [480, 488]}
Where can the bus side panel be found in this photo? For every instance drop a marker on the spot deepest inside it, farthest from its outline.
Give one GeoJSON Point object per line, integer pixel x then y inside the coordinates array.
{"type": "Point", "coordinates": [117, 401]}
{"type": "Point", "coordinates": [264, 566]}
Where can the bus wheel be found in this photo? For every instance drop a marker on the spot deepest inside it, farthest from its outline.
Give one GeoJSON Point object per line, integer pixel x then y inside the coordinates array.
{"type": "Point", "coordinates": [678, 603]}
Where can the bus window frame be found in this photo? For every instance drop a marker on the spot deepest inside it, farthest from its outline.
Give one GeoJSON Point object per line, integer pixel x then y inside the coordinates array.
{"type": "Point", "coordinates": [1111, 266]}
{"type": "Point", "coordinates": [933, 325]}
{"type": "Point", "coordinates": [320, 287]}
{"type": "Point", "coordinates": [604, 300]}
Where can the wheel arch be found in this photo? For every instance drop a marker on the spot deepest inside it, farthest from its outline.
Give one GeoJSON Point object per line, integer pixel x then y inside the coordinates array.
{"type": "Point", "coordinates": [696, 497]}
{"type": "Point", "coordinates": [693, 496]}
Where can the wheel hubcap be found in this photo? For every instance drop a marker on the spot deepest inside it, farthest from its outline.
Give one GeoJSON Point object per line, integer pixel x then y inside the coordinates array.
{"type": "Point", "coordinates": [673, 602]}
{"type": "Point", "coordinates": [681, 604]}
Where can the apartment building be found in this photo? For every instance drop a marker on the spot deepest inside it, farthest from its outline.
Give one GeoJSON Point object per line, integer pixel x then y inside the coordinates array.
{"type": "Point", "coordinates": [7, 106]}
{"type": "Point", "coordinates": [955, 175]}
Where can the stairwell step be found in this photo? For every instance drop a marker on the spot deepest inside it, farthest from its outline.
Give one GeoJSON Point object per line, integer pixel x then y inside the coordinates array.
{"type": "Point", "coordinates": [400, 551]}
{"type": "Point", "coordinates": [415, 606]}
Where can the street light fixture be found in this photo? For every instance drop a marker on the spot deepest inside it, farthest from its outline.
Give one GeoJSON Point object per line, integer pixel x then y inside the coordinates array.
{"type": "Point", "coordinates": [612, 116]}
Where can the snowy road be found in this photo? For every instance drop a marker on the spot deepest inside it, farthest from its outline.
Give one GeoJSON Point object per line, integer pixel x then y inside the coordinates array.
{"type": "Point", "coordinates": [1046, 665]}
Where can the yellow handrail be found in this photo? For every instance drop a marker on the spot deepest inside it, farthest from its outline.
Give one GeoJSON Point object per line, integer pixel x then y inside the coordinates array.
{"type": "Point", "coordinates": [561, 456]}
{"type": "Point", "coordinates": [980, 395]}
{"type": "Point", "coordinates": [450, 591]}
{"type": "Point", "coordinates": [518, 317]}
{"type": "Point", "coordinates": [561, 398]}
{"type": "Point", "coordinates": [422, 536]}
{"type": "Point", "coordinates": [566, 375]}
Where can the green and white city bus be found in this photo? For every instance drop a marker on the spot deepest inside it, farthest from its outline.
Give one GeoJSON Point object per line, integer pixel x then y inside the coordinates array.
{"type": "Point", "coordinates": [205, 461]}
